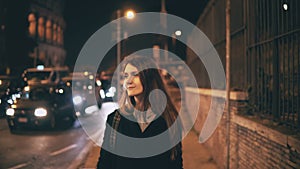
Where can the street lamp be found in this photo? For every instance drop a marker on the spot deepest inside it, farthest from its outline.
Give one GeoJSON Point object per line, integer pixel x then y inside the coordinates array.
{"type": "Point", "coordinates": [129, 14]}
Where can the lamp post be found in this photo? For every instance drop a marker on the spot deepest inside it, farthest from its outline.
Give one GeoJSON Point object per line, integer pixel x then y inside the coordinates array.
{"type": "Point", "coordinates": [129, 14]}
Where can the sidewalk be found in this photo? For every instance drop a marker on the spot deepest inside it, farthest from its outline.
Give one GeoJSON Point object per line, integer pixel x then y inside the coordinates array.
{"type": "Point", "coordinates": [195, 155]}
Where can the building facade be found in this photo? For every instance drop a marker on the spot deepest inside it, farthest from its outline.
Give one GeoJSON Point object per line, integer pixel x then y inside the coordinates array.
{"type": "Point", "coordinates": [32, 34]}
{"type": "Point", "coordinates": [265, 78]}
{"type": "Point", "coordinates": [46, 26]}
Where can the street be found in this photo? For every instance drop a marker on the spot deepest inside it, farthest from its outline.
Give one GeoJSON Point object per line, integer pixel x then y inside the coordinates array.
{"type": "Point", "coordinates": [48, 149]}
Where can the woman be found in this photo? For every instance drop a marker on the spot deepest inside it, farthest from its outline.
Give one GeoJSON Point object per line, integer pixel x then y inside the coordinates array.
{"type": "Point", "coordinates": [142, 114]}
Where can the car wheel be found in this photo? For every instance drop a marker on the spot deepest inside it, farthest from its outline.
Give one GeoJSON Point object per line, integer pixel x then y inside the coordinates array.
{"type": "Point", "coordinates": [12, 126]}
{"type": "Point", "coordinates": [67, 122]}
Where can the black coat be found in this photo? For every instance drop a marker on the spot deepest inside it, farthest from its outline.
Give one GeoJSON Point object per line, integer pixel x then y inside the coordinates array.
{"type": "Point", "coordinates": [108, 160]}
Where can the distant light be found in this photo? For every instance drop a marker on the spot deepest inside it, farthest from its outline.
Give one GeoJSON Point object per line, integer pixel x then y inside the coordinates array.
{"type": "Point", "coordinates": [98, 82]}
{"type": "Point", "coordinates": [178, 33]}
{"type": "Point", "coordinates": [10, 101]}
{"type": "Point", "coordinates": [285, 6]}
{"type": "Point", "coordinates": [91, 77]}
{"type": "Point", "coordinates": [112, 89]}
{"type": "Point", "coordinates": [13, 97]}
{"type": "Point", "coordinates": [18, 95]}
{"type": "Point", "coordinates": [86, 73]}
{"type": "Point", "coordinates": [91, 109]}
{"type": "Point", "coordinates": [10, 112]}
{"type": "Point", "coordinates": [78, 113]}
{"type": "Point", "coordinates": [26, 88]}
{"type": "Point", "coordinates": [77, 100]}
{"type": "Point", "coordinates": [61, 91]}
{"type": "Point", "coordinates": [0, 82]}
{"type": "Point", "coordinates": [90, 87]}
{"type": "Point", "coordinates": [102, 93]}
{"type": "Point", "coordinates": [40, 67]}
{"type": "Point", "coordinates": [130, 14]}
{"type": "Point", "coordinates": [109, 94]}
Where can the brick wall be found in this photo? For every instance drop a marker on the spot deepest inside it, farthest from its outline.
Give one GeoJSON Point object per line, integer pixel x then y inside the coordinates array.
{"type": "Point", "coordinates": [252, 144]}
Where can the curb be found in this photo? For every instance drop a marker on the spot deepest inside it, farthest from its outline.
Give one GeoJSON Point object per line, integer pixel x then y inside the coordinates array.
{"type": "Point", "coordinates": [81, 157]}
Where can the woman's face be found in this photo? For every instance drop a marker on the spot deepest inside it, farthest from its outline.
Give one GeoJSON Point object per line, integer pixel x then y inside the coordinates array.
{"type": "Point", "coordinates": [132, 81]}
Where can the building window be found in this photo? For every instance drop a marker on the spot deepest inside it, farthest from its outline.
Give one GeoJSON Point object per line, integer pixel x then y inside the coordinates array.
{"type": "Point", "coordinates": [60, 35]}
{"type": "Point", "coordinates": [32, 25]}
{"type": "Point", "coordinates": [41, 28]}
{"type": "Point", "coordinates": [49, 31]}
{"type": "Point", "coordinates": [54, 37]}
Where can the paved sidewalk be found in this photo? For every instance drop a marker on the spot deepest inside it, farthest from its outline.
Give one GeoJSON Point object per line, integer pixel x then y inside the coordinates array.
{"type": "Point", "coordinates": [195, 155]}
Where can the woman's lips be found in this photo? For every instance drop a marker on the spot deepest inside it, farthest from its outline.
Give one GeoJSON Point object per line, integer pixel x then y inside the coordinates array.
{"type": "Point", "coordinates": [130, 87]}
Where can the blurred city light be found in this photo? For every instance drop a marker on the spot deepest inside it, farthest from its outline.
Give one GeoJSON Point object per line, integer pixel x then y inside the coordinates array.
{"type": "Point", "coordinates": [178, 33]}
{"type": "Point", "coordinates": [130, 14]}
{"type": "Point", "coordinates": [285, 6]}
{"type": "Point", "coordinates": [40, 67]}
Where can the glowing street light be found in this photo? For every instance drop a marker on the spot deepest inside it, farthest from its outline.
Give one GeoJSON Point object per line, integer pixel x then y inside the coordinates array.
{"type": "Point", "coordinates": [130, 14]}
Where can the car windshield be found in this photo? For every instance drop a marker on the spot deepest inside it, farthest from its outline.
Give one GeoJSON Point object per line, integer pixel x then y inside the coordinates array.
{"type": "Point", "coordinates": [36, 76]}
{"type": "Point", "coordinates": [39, 94]}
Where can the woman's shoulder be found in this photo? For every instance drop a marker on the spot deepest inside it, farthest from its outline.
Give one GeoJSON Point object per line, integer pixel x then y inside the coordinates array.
{"type": "Point", "coordinates": [112, 115]}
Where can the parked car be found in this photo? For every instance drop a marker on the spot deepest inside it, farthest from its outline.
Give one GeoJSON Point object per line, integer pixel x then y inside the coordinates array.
{"type": "Point", "coordinates": [41, 75]}
{"type": "Point", "coordinates": [42, 107]}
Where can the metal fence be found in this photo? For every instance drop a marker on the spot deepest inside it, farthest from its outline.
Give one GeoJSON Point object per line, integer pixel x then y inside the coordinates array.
{"type": "Point", "coordinates": [273, 59]}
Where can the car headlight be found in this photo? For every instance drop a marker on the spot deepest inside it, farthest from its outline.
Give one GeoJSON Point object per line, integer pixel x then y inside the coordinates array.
{"type": "Point", "coordinates": [40, 112]}
{"type": "Point", "coordinates": [10, 112]}
{"type": "Point", "coordinates": [77, 100]}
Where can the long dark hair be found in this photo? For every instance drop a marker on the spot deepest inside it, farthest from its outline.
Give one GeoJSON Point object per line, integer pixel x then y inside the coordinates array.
{"type": "Point", "coordinates": [151, 79]}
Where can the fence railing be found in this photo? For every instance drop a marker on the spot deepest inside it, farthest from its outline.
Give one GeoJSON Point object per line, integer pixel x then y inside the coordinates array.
{"type": "Point", "coordinates": [273, 59]}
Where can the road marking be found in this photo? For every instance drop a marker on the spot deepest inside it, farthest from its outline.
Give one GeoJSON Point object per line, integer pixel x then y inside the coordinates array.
{"type": "Point", "coordinates": [63, 150]}
{"type": "Point", "coordinates": [19, 166]}
{"type": "Point", "coordinates": [82, 155]}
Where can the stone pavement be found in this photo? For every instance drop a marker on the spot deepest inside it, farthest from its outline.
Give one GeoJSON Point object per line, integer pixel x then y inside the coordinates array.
{"type": "Point", "coordinates": [195, 155]}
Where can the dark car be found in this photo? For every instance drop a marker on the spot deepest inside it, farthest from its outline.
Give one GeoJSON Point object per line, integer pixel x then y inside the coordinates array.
{"type": "Point", "coordinates": [42, 106]}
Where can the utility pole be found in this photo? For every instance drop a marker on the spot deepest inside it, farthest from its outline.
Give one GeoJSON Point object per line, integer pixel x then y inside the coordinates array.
{"type": "Point", "coordinates": [163, 22]}
{"type": "Point", "coordinates": [228, 81]}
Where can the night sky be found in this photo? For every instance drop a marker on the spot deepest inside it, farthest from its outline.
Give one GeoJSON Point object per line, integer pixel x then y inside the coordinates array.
{"type": "Point", "coordinates": [83, 18]}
